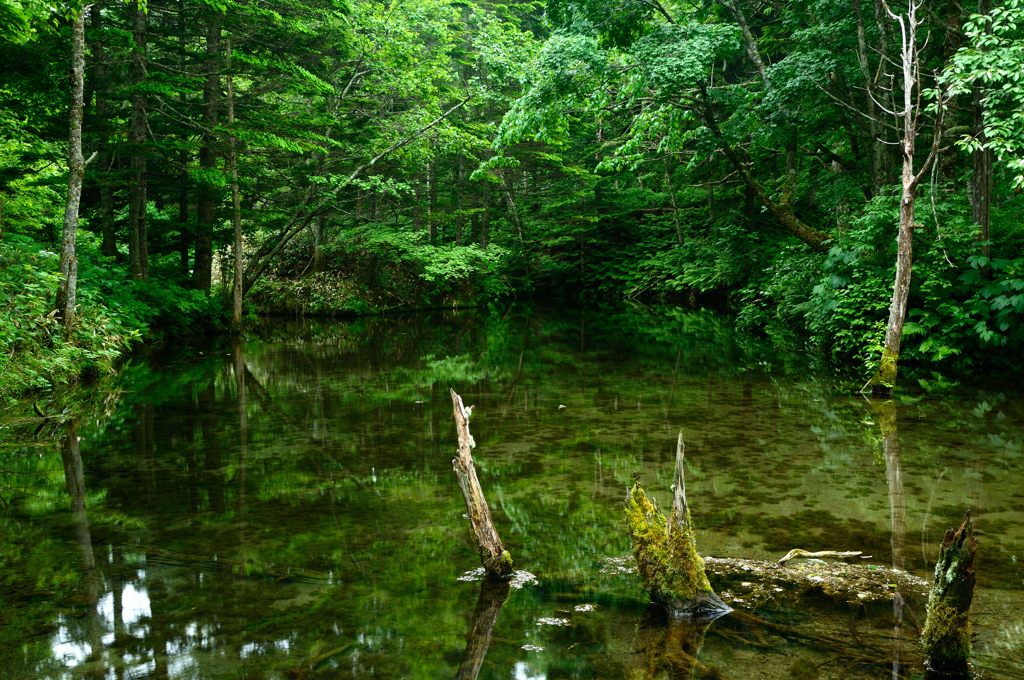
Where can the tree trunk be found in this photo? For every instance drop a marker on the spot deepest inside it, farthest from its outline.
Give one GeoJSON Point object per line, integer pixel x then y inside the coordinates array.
{"type": "Point", "coordinates": [319, 226]}
{"type": "Point", "coordinates": [507, 186]}
{"type": "Point", "coordinates": [474, 219]}
{"type": "Point", "coordinates": [947, 630]}
{"type": "Point", "coordinates": [202, 271]}
{"type": "Point", "coordinates": [184, 234]}
{"type": "Point", "coordinates": [432, 200]}
{"type": "Point", "coordinates": [496, 560]}
{"type": "Point", "coordinates": [485, 216]}
{"type": "Point", "coordinates": [417, 208]}
{"type": "Point", "coordinates": [138, 256]}
{"type": "Point", "coordinates": [666, 551]}
{"type": "Point", "coordinates": [236, 209]}
{"type": "Point", "coordinates": [884, 379]}
{"type": "Point", "coordinates": [981, 183]}
{"type": "Point", "coordinates": [68, 267]}
{"type": "Point", "coordinates": [103, 157]}
{"type": "Point", "coordinates": [749, 42]}
{"type": "Point", "coordinates": [781, 211]}
{"type": "Point", "coordinates": [184, 237]}
{"type": "Point", "coordinates": [875, 129]}
{"type": "Point", "coordinates": [460, 221]}
{"type": "Point", "coordinates": [675, 209]}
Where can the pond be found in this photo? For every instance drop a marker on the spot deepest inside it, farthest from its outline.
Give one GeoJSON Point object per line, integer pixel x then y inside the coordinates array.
{"type": "Point", "coordinates": [285, 507]}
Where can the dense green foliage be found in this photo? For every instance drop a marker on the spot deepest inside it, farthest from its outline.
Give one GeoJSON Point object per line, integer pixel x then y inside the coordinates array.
{"type": "Point", "coordinates": [432, 153]}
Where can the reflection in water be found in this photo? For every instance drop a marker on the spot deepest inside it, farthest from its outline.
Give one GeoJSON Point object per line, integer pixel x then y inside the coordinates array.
{"type": "Point", "coordinates": [898, 516]}
{"type": "Point", "coordinates": [488, 606]}
{"type": "Point", "coordinates": [291, 505]}
{"type": "Point", "coordinates": [672, 644]}
{"type": "Point", "coordinates": [114, 619]}
{"type": "Point", "coordinates": [74, 477]}
{"type": "Point", "coordinates": [243, 423]}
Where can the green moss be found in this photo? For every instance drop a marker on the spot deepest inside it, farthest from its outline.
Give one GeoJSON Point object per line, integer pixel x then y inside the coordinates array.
{"type": "Point", "coordinates": [884, 381]}
{"type": "Point", "coordinates": [500, 567]}
{"type": "Point", "coordinates": [947, 635]}
{"type": "Point", "coordinates": [671, 570]}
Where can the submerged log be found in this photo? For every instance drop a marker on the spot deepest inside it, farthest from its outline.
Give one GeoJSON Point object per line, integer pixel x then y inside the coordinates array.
{"type": "Point", "coordinates": [496, 560]}
{"type": "Point", "coordinates": [947, 630]}
{"type": "Point", "coordinates": [666, 550]}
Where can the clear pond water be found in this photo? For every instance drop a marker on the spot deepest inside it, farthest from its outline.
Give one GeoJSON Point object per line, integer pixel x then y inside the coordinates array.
{"type": "Point", "coordinates": [286, 508]}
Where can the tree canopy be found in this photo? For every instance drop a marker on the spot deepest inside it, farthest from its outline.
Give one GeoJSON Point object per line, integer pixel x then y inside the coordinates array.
{"type": "Point", "coordinates": [360, 156]}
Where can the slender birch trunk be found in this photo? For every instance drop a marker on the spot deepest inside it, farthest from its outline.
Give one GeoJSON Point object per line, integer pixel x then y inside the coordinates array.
{"type": "Point", "coordinates": [68, 267]}
{"type": "Point", "coordinates": [884, 379]}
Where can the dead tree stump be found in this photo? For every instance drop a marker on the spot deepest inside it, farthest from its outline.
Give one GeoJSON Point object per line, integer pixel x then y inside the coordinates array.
{"type": "Point", "coordinates": [496, 560]}
{"type": "Point", "coordinates": [947, 631]}
{"type": "Point", "coordinates": [666, 550]}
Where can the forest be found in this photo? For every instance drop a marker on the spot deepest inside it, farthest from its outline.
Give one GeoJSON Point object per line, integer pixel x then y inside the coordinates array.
{"type": "Point", "coordinates": [841, 177]}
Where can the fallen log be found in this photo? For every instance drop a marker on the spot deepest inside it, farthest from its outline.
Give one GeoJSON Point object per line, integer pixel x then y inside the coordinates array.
{"type": "Point", "coordinates": [496, 560]}
{"type": "Point", "coordinates": [666, 550]}
{"type": "Point", "coordinates": [947, 630]}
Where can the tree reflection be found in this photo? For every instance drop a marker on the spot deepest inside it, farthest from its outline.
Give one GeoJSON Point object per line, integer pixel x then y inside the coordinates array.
{"type": "Point", "coordinates": [243, 421]}
{"type": "Point", "coordinates": [74, 477]}
{"type": "Point", "coordinates": [897, 513]}
{"type": "Point", "coordinates": [672, 645]}
{"type": "Point", "coordinates": [488, 606]}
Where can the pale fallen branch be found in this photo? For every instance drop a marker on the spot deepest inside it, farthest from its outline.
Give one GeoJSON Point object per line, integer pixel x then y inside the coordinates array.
{"type": "Point", "coordinates": [797, 552]}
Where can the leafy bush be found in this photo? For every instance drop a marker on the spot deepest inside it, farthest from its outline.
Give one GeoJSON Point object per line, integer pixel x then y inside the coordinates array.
{"type": "Point", "coordinates": [34, 347]}
{"type": "Point", "coordinates": [965, 310]}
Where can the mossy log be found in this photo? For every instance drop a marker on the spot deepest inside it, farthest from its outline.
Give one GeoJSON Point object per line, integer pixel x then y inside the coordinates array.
{"type": "Point", "coordinates": [496, 560]}
{"type": "Point", "coordinates": [666, 550]}
{"type": "Point", "coordinates": [947, 631]}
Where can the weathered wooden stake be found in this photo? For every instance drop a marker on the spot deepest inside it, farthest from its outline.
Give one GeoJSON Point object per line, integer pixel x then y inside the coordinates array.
{"type": "Point", "coordinates": [666, 550]}
{"type": "Point", "coordinates": [495, 558]}
{"type": "Point", "coordinates": [947, 630]}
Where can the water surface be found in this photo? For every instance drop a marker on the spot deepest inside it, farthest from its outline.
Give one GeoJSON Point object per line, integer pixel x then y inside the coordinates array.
{"type": "Point", "coordinates": [286, 508]}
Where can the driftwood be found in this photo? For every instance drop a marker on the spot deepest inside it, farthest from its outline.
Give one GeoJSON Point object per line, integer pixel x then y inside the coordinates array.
{"type": "Point", "coordinates": [496, 560]}
{"type": "Point", "coordinates": [797, 552]}
{"type": "Point", "coordinates": [666, 550]}
{"type": "Point", "coordinates": [947, 630]}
